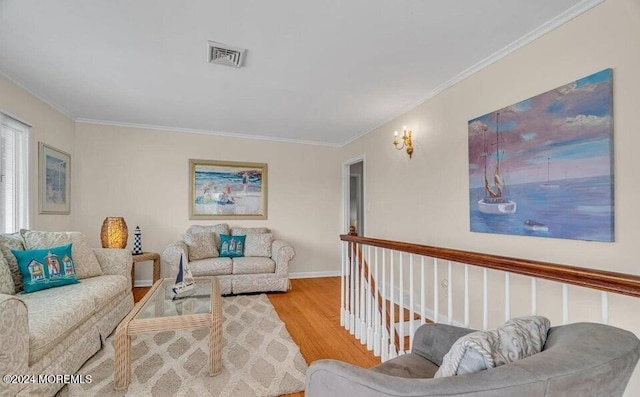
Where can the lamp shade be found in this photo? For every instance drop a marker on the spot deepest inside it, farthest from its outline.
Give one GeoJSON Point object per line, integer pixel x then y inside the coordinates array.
{"type": "Point", "coordinates": [114, 233]}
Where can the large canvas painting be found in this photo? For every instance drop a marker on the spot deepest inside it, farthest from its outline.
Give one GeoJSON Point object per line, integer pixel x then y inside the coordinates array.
{"type": "Point", "coordinates": [543, 166]}
{"type": "Point", "coordinates": [227, 190]}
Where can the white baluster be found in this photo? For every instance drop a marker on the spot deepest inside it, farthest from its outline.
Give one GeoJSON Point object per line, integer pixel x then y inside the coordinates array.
{"type": "Point", "coordinates": [450, 295]}
{"type": "Point", "coordinates": [401, 307]}
{"type": "Point", "coordinates": [377, 337]}
{"type": "Point", "coordinates": [534, 297]}
{"type": "Point", "coordinates": [369, 302]}
{"type": "Point", "coordinates": [485, 302]}
{"type": "Point", "coordinates": [342, 289]}
{"type": "Point", "coordinates": [604, 303]}
{"type": "Point", "coordinates": [423, 292]}
{"type": "Point", "coordinates": [507, 297]}
{"type": "Point", "coordinates": [363, 301]}
{"type": "Point", "coordinates": [412, 316]}
{"type": "Point", "coordinates": [352, 297]}
{"type": "Point", "coordinates": [384, 333]}
{"type": "Point", "coordinates": [357, 291]}
{"type": "Point", "coordinates": [392, 309]}
{"type": "Point", "coordinates": [565, 303]}
{"type": "Point", "coordinates": [436, 298]}
{"type": "Point", "coordinates": [466, 296]}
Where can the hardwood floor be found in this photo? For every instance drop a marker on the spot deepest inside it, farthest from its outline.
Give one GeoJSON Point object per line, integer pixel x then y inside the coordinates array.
{"type": "Point", "coordinates": [311, 313]}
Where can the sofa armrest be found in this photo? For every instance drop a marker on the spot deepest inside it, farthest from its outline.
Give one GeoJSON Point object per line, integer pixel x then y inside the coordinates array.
{"type": "Point", "coordinates": [14, 341]}
{"type": "Point", "coordinates": [115, 261]}
{"type": "Point", "coordinates": [282, 253]}
{"type": "Point", "coordinates": [170, 258]}
{"type": "Point", "coordinates": [433, 341]}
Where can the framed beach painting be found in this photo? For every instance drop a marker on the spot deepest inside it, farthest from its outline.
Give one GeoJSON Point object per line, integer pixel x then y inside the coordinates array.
{"type": "Point", "coordinates": [227, 190]}
{"type": "Point", "coordinates": [54, 180]}
{"type": "Point", "coordinates": [544, 167]}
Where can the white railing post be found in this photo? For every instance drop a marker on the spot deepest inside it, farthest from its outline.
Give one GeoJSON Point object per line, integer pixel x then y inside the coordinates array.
{"type": "Point", "coordinates": [485, 302]}
{"type": "Point", "coordinates": [449, 295]}
{"type": "Point", "coordinates": [369, 303]}
{"type": "Point", "coordinates": [363, 309]}
{"type": "Point", "coordinates": [534, 297]}
{"type": "Point", "coordinates": [436, 300]}
{"type": "Point", "coordinates": [466, 296]}
{"type": "Point", "coordinates": [412, 316]}
{"type": "Point", "coordinates": [357, 291]}
{"type": "Point", "coordinates": [565, 303]}
{"type": "Point", "coordinates": [401, 307]}
{"type": "Point", "coordinates": [384, 333]}
{"type": "Point", "coordinates": [392, 309]}
{"type": "Point", "coordinates": [604, 303]}
{"type": "Point", "coordinates": [352, 297]}
{"type": "Point", "coordinates": [377, 336]}
{"type": "Point", "coordinates": [507, 297]}
{"type": "Point", "coordinates": [423, 292]}
{"type": "Point", "coordinates": [342, 288]}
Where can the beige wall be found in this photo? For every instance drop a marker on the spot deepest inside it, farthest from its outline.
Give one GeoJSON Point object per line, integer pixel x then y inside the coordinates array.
{"type": "Point", "coordinates": [425, 199]}
{"type": "Point", "coordinates": [49, 126]}
{"type": "Point", "coordinates": [142, 175]}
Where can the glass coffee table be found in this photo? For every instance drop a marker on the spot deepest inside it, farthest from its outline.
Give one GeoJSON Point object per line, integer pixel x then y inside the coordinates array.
{"type": "Point", "coordinates": [157, 312]}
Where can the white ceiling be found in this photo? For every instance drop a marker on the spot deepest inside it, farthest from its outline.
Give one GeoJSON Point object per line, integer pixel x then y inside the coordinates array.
{"type": "Point", "coordinates": [323, 71]}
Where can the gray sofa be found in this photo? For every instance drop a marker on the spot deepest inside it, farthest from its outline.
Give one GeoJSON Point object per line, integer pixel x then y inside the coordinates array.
{"type": "Point", "coordinates": [54, 331]}
{"type": "Point", "coordinates": [580, 359]}
{"type": "Point", "coordinates": [264, 268]}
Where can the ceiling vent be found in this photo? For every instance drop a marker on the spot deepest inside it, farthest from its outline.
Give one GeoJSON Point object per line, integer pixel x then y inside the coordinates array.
{"type": "Point", "coordinates": [225, 55]}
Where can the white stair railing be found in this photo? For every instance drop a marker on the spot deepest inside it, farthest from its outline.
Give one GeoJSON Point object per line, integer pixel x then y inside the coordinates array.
{"type": "Point", "coordinates": [379, 286]}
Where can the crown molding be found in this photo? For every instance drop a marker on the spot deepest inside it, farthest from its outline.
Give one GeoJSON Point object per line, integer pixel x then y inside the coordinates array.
{"type": "Point", "coordinates": [540, 31]}
{"type": "Point", "coordinates": [204, 132]}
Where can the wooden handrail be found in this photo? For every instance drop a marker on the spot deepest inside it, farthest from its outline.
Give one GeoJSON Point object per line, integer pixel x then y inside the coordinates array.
{"type": "Point", "coordinates": [618, 283]}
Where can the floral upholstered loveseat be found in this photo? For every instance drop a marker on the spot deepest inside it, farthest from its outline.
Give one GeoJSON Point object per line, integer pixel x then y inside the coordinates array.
{"type": "Point", "coordinates": [263, 266]}
{"type": "Point", "coordinates": [54, 331]}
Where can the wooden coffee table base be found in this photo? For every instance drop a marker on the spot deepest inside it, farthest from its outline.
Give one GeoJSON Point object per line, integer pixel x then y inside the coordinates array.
{"type": "Point", "coordinates": [132, 326]}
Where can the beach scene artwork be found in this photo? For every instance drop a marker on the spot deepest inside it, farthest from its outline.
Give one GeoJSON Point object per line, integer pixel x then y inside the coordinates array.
{"type": "Point", "coordinates": [544, 166]}
{"type": "Point", "coordinates": [224, 190]}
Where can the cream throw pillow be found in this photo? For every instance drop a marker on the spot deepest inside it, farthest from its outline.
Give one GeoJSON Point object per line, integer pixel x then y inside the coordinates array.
{"type": "Point", "coordinates": [258, 244]}
{"type": "Point", "coordinates": [84, 259]}
{"type": "Point", "coordinates": [201, 245]}
{"type": "Point", "coordinates": [514, 340]}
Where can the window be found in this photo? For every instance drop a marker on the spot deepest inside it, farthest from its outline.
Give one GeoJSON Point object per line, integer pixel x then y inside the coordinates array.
{"type": "Point", "coordinates": [14, 174]}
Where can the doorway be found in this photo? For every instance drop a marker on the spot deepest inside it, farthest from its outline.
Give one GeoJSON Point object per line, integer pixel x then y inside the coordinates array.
{"type": "Point", "coordinates": [354, 195]}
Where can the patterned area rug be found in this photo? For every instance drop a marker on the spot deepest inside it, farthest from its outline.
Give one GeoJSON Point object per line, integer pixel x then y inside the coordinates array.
{"type": "Point", "coordinates": [259, 358]}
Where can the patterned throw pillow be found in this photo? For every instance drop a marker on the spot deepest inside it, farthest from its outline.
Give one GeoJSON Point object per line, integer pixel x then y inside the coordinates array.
{"type": "Point", "coordinates": [6, 279]}
{"type": "Point", "coordinates": [259, 245]}
{"type": "Point", "coordinates": [201, 245]}
{"type": "Point", "coordinates": [10, 242]}
{"type": "Point", "coordinates": [46, 268]}
{"type": "Point", "coordinates": [232, 246]}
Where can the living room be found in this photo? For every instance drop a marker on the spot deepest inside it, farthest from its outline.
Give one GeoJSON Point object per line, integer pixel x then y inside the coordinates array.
{"type": "Point", "coordinates": [139, 171]}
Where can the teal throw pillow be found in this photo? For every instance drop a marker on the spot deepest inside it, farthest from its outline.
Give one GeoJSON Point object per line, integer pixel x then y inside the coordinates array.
{"type": "Point", "coordinates": [46, 268]}
{"type": "Point", "coordinates": [231, 246]}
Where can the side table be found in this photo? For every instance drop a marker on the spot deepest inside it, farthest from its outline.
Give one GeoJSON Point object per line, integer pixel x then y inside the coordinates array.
{"type": "Point", "coordinates": [147, 256]}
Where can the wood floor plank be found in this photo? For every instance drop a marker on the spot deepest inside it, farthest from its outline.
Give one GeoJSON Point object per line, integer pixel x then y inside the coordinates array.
{"type": "Point", "coordinates": [311, 313]}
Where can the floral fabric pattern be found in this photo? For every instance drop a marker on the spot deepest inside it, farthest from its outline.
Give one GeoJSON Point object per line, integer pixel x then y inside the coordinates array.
{"type": "Point", "coordinates": [201, 245]}
{"type": "Point", "coordinates": [258, 244]}
{"type": "Point", "coordinates": [221, 228]}
{"type": "Point", "coordinates": [83, 257]}
{"type": "Point", "coordinates": [241, 231]}
{"type": "Point", "coordinates": [10, 242]}
{"type": "Point", "coordinates": [14, 335]}
{"type": "Point", "coordinates": [6, 279]}
{"type": "Point", "coordinates": [253, 265]}
{"type": "Point", "coordinates": [115, 261]}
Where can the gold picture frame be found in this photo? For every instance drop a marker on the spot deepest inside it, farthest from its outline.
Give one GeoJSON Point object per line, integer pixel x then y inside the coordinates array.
{"type": "Point", "coordinates": [54, 180]}
{"type": "Point", "coordinates": [227, 190]}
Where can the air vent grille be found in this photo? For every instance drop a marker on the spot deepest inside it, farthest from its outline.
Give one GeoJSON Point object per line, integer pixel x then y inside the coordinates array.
{"type": "Point", "coordinates": [225, 55]}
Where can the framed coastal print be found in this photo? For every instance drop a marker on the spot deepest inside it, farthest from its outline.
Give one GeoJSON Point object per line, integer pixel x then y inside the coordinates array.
{"type": "Point", "coordinates": [227, 190]}
{"type": "Point", "coordinates": [543, 167]}
{"type": "Point", "coordinates": [54, 180]}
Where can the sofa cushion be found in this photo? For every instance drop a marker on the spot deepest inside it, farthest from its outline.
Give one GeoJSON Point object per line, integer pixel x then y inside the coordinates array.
{"type": "Point", "coordinates": [516, 339]}
{"type": "Point", "coordinates": [104, 289]}
{"type": "Point", "coordinates": [243, 231]}
{"type": "Point", "coordinates": [232, 246]}
{"type": "Point", "coordinates": [210, 267]}
{"type": "Point", "coordinates": [258, 244]}
{"type": "Point", "coordinates": [53, 314]}
{"type": "Point", "coordinates": [46, 268]}
{"type": "Point", "coordinates": [201, 245]}
{"type": "Point", "coordinates": [408, 365]}
{"type": "Point", "coordinates": [253, 265]}
{"type": "Point", "coordinates": [10, 242]}
{"type": "Point", "coordinates": [221, 228]}
{"type": "Point", "coordinates": [83, 257]}
{"type": "Point", "coordinates": [6, 279]}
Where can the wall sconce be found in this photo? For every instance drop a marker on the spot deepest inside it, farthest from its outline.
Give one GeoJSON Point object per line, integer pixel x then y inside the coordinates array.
{"type": "Point", "coordinates": [114, 233]}
{"type": "Point", "coordinates": [406, 141]}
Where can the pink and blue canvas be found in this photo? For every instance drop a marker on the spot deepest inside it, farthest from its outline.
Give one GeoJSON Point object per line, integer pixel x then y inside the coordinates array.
{"type": "Point", "coordinates": [543, 166]}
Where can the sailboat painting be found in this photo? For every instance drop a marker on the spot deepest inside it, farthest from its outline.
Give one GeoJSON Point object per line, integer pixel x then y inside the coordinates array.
{"type": "Point", "coordinates": [544, 167]}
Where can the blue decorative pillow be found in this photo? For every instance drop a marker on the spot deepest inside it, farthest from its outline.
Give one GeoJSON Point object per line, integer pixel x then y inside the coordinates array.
{"type": "Point", "coordinates": [231, 246]}
{"type": "Point", "coordinates": [46, 268]}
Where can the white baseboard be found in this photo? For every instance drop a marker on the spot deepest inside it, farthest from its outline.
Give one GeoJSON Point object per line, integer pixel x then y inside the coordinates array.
{"type": "Point", "coordinates": [329, 273]}
{"type": "Point", "coordinates": [143, 283]}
